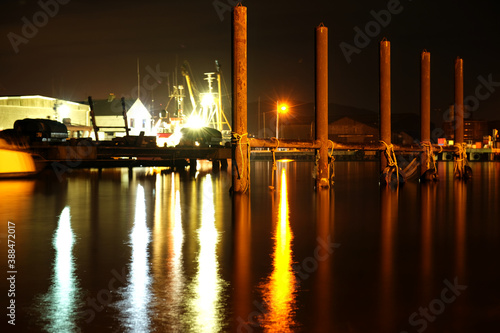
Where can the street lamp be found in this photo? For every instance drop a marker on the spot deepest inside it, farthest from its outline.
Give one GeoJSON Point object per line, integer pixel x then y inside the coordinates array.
{"type": "Point", "coordinates": [279, 109]}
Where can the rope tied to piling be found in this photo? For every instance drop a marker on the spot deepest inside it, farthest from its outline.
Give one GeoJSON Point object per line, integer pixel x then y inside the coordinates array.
{"type": "Point", "coordinates": [391, 157]}
{"type": "Point", "coordinates": [461, 159]}
{"type": "Point", "coordinates": [277, 141]}
{"type": "Point", "coordinates": [236, 140]}
{"type": "Point", "coordinates": [430, 155]}
{"type": "Point", "coordinates": [331, 159]}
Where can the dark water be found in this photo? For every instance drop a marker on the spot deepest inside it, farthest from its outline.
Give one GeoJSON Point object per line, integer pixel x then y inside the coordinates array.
{"type": "Point", "coordinates": [168, 252]}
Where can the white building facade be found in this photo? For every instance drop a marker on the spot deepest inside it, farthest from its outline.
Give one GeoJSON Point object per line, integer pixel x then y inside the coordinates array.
{"type": "Point", "coordinates": [13, 108]}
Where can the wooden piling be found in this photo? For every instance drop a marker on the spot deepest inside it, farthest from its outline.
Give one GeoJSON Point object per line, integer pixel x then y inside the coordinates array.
{"type": "Point", "coordinates": [459, 101]}
{"type": "Point", "coordinates": [240, 147]}
{"type": "Point", "coordinates": [385, 96]}
{"type": "Point", "coordinates": [425, 97]}
{"type": "Point", "coordinates": [322, 176]}
{"type": "Point", "coordinates": [425, 117]}
{"type": "Point", "coordinates": [462, 170]}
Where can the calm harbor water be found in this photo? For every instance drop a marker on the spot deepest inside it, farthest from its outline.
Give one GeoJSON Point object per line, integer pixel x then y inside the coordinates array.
{"type": "Point", "coordinates": [158, 251]}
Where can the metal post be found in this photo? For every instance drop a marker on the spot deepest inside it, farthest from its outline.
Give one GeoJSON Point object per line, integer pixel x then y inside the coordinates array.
{"type": "Point", "coordinates": [425, 107]}
{"type": "Point", "coordinates": [385, 96]}
{"type": "Point", "coordinates": [277, 120]}
{"type": "Point", "coordinates": [264, 120]}
{"type": "Point", "coordinates": [219, 103]}
{"type": "Point", "coordinates": [322, 177]}
{"type": "Point", "coordinates": [241, 163]}
{"type": "Point", "coordinates": [459, 101]}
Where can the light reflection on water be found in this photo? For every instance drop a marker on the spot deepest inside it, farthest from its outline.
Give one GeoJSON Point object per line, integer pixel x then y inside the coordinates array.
{"type": "Point", "coordinates": [168, 266]}
{"type": "Point", "coordinates": [175, 251]}
{"type": "Point", "coordinates": [60, 304]}
{"type": "Point", "coordinates": [279, 291]}
{"type": "Point", "coordinates": [193, 268]}
{"type": "Point", "coordinates": [137, 297]}
{"type": "Point", "coordinates": [205, 306]}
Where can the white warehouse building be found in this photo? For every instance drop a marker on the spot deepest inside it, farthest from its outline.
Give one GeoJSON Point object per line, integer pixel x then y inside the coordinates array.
{"type": "Point", "coordinates": [13, 108]}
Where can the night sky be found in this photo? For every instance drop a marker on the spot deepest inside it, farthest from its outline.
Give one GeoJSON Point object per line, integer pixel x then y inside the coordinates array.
{"type": "Point", "coordinates": [91, 48]}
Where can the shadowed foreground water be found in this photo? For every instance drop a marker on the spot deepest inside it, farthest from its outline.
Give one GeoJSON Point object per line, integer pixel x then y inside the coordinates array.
{"type": "Point", "coordinates": [152, 251]}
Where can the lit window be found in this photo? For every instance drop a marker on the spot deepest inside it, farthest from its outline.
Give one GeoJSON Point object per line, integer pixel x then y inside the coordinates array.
{"type": "Point", "coordinates": [144, 123]}
{"type": "Point", "coordinates": [132, 122]}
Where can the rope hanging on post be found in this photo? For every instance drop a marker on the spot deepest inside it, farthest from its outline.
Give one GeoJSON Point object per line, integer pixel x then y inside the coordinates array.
{"type": "Point", "coordinates": [236, 140]}
{"type": "Point", "coordinates": [331, 159]}
{"type": "Point", "coordinates": [391, 157]}
{"type": "Point", "coordinates": [429, 152]}
{"type": "Point", "coordinates": [461, 160]}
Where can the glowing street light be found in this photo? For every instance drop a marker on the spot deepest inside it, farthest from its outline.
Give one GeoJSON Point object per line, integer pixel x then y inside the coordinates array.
{"type": "Point", "coordinates": [279, 109]}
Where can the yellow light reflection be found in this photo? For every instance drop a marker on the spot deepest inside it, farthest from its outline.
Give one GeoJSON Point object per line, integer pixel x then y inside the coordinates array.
{"type": "Point", "coordinates": [279, 291]}
{"type": "Point", "coordinates": [176, 241]}
{"type": "Point", "coordinates": [207, 286]}
{"type": "Point", "coordinates": [167, 257]}
{"type": "Point", "coordinates": [20, 163]}
{"type": "Point", "coordinates": [61, 308]}
{"type": "Point", "coordinates": [17, 205]}
{"type": "Point", "coordinates": [137, 296]}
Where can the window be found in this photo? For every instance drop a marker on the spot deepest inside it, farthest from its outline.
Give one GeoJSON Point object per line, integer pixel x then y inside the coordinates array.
{"type": "Point", "coordinates": [144, 123]}
{"type": "Point", "coordinates": [132, 122]}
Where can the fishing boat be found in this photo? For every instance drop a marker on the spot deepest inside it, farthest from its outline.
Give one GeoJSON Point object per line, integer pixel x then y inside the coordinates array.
{"type": "Point", "coordinates": [15, 161]}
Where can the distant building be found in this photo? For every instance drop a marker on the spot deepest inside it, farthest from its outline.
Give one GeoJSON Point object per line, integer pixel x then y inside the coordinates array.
{"type": "Point", "coordinates": [348, 130]}
{"type": "Point", "coordinates": [13, 108]}
{"type": "Point", "coordinates": [474, 130]}
{"type": "Point", "coordinates": [109, 118]}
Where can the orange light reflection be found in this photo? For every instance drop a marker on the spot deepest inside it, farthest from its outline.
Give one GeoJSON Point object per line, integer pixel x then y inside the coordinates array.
{"type": "Point", "coordinates": [279, 291]}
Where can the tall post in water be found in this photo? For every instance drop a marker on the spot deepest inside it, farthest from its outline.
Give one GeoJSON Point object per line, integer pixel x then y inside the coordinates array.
{"type": "Point", "coordinates": [425, 111]}
{"type": "Point", "coordinates": [459, 101]}
{"type": "Point", "coordinates": [385, 96]}
{"type": "Point", "coordinates": [425, 97]}
{"type": "Point", "coordinates": [240, 147]}
{"type": "Point", "coordinates": [462, 170]}
{"type": "Point", "coordinates": [322, 177]}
